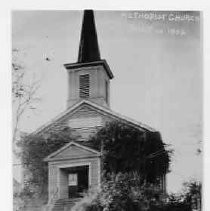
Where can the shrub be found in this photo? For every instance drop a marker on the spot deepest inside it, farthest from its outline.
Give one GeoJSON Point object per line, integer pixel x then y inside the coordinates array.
{"type": "Point", "coordinates": [125, 192]}
{"type": "Point", "coordinates": [122, 192]}
{"type": "Point", "coordinates": [34, 148]}
{"type": "Point", "coordinates": [188, 200]}
{"type": "Point", "coordinates": [87, 203]}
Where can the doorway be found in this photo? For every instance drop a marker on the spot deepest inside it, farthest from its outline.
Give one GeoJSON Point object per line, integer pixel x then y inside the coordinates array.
{"type": "Point", "coordinates": [78, 180]}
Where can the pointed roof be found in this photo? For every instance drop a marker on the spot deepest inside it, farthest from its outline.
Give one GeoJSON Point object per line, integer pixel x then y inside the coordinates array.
{"type": "Point", "coordinates": [88, 47]}
{"type": "Point", "coordinates": [67, 152]}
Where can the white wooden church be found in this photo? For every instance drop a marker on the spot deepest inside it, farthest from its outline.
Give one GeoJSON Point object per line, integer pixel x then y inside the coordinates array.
{"type": "Point", "coordinates": [77, 167]}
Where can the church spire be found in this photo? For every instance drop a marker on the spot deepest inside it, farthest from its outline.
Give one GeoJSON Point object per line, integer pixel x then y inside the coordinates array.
{"type": "Point", "coordinates": [89, 78]}
{"type": "Point", "coordinates": [88, 47]}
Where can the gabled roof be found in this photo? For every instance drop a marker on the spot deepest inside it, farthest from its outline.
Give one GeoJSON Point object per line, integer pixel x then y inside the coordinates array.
{"type": "Point", "coordinates": [54, 156]}
{"type": "Point", "coordinates": [100, 109]}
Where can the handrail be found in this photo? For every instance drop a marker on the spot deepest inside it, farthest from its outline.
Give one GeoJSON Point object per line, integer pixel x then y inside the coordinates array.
{"type": "Point", "coordinates": [52, 199]}
{"type": "Point", "coordinates": [55, 194]}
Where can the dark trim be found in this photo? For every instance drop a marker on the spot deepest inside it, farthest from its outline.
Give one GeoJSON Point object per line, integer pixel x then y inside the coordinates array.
{"type": "Point", "coordinates": [103, 62]}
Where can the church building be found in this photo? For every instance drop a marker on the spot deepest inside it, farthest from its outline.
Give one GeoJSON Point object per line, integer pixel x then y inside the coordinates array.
{"type": "Point", "coordinates": [76, 167]}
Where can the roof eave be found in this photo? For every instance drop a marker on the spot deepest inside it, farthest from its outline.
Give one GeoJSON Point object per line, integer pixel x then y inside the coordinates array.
{"type": "Point", "coordinates": [71, 109]}
{"type": "Point", "coordinates": [103, 62]}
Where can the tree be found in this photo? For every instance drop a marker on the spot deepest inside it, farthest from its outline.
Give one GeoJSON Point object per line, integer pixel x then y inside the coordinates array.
{"type": "Point", "coordinates": [24, 92]}
{"type": "Point", "coordinates": [127, 149]}
{"type": "Point", "coordinates": [193, 194]}
{"type": "Point", "coordinates": [24, 99]}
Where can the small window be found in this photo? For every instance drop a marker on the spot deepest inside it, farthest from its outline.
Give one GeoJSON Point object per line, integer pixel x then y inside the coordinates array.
{"type": "Point", "coordinates": [84, 86]}
{"type": "Point", "coordinates": [73, 180]}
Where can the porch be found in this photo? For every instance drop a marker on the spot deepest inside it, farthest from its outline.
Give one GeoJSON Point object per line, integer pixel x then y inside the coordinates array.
{"type": "Point", "coordinates": [72, 171]}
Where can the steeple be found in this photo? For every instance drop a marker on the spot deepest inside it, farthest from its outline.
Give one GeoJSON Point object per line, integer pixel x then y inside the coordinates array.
{"type": "Point", "coordinates": [89, 78]}
{"type": "Point", "coordinates": [88, 47]}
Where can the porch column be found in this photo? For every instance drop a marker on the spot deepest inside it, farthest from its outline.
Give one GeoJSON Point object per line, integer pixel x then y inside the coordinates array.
{"type": "Point", "coordinates": [63, 184]}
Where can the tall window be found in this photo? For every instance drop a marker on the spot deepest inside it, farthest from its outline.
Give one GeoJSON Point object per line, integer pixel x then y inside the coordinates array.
{"type": "Point", "coordinates": [106, 90]}
{"type": "Point", "coordinates": [84, 86]}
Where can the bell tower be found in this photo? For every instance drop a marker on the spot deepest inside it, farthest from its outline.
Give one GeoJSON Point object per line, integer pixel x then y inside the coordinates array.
{"type": "Point", "coordinates": [89, 78]}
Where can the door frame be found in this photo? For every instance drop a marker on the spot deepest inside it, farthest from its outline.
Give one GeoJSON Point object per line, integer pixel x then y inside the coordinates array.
{"type": "Point", "coordinates": [74, 165]}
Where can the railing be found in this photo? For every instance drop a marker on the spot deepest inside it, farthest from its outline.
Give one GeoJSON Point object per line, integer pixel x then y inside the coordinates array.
{"type": "Point", "coordinates": [52, 200]}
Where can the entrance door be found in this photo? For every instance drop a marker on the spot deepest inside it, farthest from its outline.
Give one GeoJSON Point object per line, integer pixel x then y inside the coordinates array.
{"type": "Point", "coordinates": [83, 179]}
{"type": "Point", "coordinates": [72, 184]}
{"type": "Point", "coordinates": [77, 180]}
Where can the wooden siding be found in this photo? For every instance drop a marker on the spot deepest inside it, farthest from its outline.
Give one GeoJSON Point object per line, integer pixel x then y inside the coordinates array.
{"type": "Point", "coordinates": [53, 182]}
{"type": "Point", "coordinates": [85, 121]}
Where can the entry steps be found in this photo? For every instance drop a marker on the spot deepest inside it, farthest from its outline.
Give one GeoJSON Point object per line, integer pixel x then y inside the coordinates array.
{"type": "Point", "coordinates": [65, 204]}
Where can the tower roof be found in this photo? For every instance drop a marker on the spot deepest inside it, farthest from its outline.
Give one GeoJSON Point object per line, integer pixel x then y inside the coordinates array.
{"type": "Point", "coordinates": [88, 47]}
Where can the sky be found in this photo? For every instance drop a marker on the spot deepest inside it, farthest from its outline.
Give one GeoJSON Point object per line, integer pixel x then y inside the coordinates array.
{"type": "Point", "coordinates": [156, 59]}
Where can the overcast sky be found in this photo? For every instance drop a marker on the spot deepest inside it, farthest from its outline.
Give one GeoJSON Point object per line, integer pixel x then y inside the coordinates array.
{"type": "Point", "coordinates": [156, 58]}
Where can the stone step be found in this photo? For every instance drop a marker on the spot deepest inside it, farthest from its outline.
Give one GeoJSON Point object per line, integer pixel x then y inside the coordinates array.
{"type": "Point", "coordinates": [69, 199]}
{"type": "Point", "coordinates": [66, 201]}
{"type": "Point", "coordinates": [64, 204]}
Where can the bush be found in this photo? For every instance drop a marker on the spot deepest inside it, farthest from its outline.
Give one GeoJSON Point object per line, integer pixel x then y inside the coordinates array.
{"type": "Point", "coordinates": [122, 192]}
{"type": "Point", "coordinates": [125, 192]}
{"type": "Point", "coordinates": [188, 200]}
{"type": "Point", "coordinates": [34, 148]}
{"type": "Point", "coordinates": [87, 202]}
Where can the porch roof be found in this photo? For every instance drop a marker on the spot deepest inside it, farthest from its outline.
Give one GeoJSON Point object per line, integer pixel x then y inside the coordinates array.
{"type": "Point", "coordinates": [72, 150]}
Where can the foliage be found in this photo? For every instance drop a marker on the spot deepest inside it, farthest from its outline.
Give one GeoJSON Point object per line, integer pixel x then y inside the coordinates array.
{"type": "Point", "coordinates": [173, 203]}
{"type": "Point", "coordinates": [189, 199]}
{"type": "Point", "coordinates": [34, 148]}
{"type": "Point", "coordinates": [193, 193]}
{"type": "Point", "coordinates": [132, 162]}
{"type": "Point", "coordinates": [124, 191]}
{"type": "Point", "coordinates": [86, 202]}
{"type": "Point", "coordinates": [24, 91]}
{"type": "Point", "coordinates": [192, 187]}
{"type": "Point", "coordinates": [127, 149]}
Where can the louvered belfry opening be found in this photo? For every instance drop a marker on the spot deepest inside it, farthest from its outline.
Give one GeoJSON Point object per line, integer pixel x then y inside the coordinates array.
{"type": "Point", "coordinates": [84, 86]}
